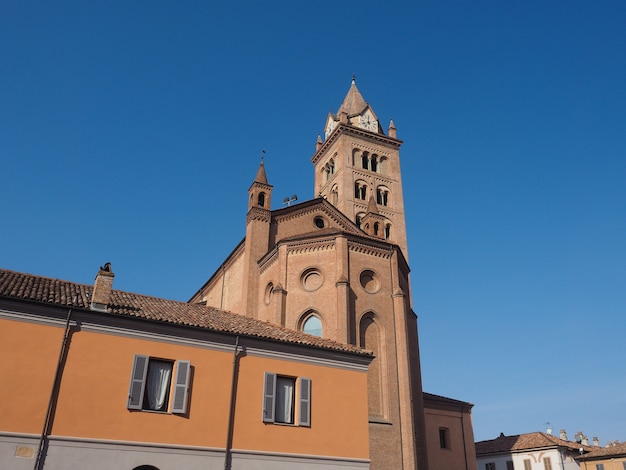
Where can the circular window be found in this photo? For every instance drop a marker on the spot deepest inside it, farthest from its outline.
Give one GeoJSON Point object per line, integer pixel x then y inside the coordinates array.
{"type": "Point", "coordinates": [269, 291]}
{"type": "Point", "coordinates": [369, 281]}
{"type": "Point", "coordinates": [311, 279]}
{"type": "Point", "coordinates": [319, 222]}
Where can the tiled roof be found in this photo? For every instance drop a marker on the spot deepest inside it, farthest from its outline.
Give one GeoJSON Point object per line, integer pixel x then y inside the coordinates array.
{"type": "Point", "coordinates": [613, 450]}
{"type": "Point", "coordinates": [521, 442]}
{"type": "Point", "coordinates": [441, 399]}
{"type": "Point", "coordinates": [56, 292]}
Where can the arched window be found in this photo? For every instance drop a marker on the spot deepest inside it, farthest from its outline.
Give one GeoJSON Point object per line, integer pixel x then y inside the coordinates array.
{"type": "Point", "coordinates": [312, 326]}
{"type": "Point", "coordinates": [370, 338]}
{"type": "Point", "coordinates": [365, 161]}
{"type": "Point", "coordinates": [329, 169]}
{"type": "Point", "coordinates": [374, 163]}
{"type": "Point", "coordinates": [382, 196]}
{"type": "Point", "coordinates": [376, 227]}
{"type": "Point", "coordinates": [334, 194]}
{"type": "Point", "coordinates": [261, 200]}
{"type": "Point", "coordinates": [387, 231]}
{"type": "Point", "coordinates": [146, 467]}
{"type": "Point", "coordinates": [359, 219]}
{"type": "Point", "coordinates": [360, 190]}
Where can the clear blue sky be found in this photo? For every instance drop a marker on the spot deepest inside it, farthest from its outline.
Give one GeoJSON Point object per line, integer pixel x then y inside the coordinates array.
{"type": "Point", "coordinates": [130, 132]}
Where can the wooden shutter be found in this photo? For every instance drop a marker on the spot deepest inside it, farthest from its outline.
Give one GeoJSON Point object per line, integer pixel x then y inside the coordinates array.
{"type": "Point", "coordinates": [137, 382]}
{"type": "Point", "coordinates": [269, 397]}
{"type": "Point", "coordinates": [305, 402]}
{"type": "Point", "coordinates": [181, 387]}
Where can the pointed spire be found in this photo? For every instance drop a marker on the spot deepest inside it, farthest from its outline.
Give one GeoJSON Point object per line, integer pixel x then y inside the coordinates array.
{"type": "Point", "coordinates": [319, 142]}
{"type": "Point", "coordinates": [353, 103]}
{"type": "Point", "coordinates": [392, 129]}
{"type": "Point", "coordinates": [372, 208]}
{"type": "Point", "coordinates": [261, 177]}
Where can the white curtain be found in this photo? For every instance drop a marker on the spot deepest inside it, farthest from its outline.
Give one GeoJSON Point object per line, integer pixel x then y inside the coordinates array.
{"type": "Point", "coordinates": [284, 399]}
{"type": "Point", "coordinates": [158, 384]}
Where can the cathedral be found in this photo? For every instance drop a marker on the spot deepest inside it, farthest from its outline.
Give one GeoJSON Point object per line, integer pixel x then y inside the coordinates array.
{"type": "Point", "coordinates": [336, 266]}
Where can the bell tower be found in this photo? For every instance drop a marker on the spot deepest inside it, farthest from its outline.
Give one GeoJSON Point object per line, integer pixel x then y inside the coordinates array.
{"type": "Point", "coordinates": [356, 163]}
{"type": "Point", "coordinates": [257, 237]}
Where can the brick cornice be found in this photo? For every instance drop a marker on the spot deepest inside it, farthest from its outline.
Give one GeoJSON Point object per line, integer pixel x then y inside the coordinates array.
{"type": "Point", "coordinates": [347, 129]}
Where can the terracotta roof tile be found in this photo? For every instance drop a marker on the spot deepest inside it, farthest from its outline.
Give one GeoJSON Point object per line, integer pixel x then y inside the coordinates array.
{"type": "Point", "coordinates": [520, 442]}
{"type": "Point", "coordinates": [29, 287]}
{"type": "Point", "coordinates": [613, 450]}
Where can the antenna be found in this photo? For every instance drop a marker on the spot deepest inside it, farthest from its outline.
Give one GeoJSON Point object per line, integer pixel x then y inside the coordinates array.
{"type": "Point", "coordinates": [288, 200]}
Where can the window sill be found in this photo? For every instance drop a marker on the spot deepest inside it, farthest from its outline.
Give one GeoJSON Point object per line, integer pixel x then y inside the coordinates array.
{"type": "Point", "coordinates": [154, 411]}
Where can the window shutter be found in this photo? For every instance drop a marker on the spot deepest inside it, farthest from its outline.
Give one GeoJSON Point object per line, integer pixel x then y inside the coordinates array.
{"type": "Point", "coordinates": [181, 387]}
{"type": "Point", "coordinates": [305, 402]}
{"type": "Point", "coordinates": [269, 397]}
{"type": "Point", "coordinates": [137, 382]}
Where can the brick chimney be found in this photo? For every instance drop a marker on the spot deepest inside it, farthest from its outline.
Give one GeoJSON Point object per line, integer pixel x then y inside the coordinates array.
{"type": "Point", "coordinates": [596, 442]}
{"type": "Point", "coordinates": [563, 435]}
{"type": "Point", "coordinates": [102, 288]}
{"type": "Point", "coordinates": [584, 441]}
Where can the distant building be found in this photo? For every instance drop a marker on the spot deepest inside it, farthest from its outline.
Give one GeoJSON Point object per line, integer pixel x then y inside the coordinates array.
{"type": "Point", "coordinates": [449, 433]}
{"type": "Point", "coordinates": [531, 451]}
{"type": "Point", "coordinates": [610, 457]}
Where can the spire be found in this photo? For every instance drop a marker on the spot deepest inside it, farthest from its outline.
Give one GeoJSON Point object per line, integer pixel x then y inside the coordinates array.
{"type": "Point", "coordinates": [353, 103]}
{"type": "Point", "coordinates": [371, 206]}
{"type": "Point", "coordinates": [261, 177]}
{"type": "Point", "coordinates": [392, 129]}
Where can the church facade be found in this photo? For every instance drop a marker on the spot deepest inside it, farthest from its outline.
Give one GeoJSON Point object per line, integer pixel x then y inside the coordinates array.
{"type": "Point", "coordinates": [336, 266]}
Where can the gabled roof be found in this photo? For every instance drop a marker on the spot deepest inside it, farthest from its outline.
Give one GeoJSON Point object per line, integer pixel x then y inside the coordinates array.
{"type": "Point", "coordinates": [522, 442]}
{"type": "Point", "coordinates": [28, 287]}
{"type": "Point", "coordinates": [321, 204]}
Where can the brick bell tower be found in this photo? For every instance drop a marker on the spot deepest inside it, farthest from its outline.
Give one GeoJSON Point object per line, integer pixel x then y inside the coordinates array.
{"type": "Point", "coordinates": [357, 162]}
{"type": "Point", "coordinates": [357, 169]}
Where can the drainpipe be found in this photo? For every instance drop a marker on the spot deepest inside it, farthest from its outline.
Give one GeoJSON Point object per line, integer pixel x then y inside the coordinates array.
{"type": "Point", "coordinates": [55, 385]}
{"type": "Point", "coordinates": [231, 413]}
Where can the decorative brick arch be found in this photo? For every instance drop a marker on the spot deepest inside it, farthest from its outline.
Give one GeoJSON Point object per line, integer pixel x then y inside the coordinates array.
{"type": "Point", "coordinates": [372, 337]}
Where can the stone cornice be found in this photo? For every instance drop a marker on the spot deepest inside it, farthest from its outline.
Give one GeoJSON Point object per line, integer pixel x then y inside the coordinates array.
{"type": "Point", "coordinates": [307, 246]}
{"type": "Point", "coordinates": [268, 260]}
{"type": "Point", "coordinates": [368, 249]}
{"type": "Point", "coordinates": [257, 213]}
{"type": "Point", "coordinates": [346, 129]}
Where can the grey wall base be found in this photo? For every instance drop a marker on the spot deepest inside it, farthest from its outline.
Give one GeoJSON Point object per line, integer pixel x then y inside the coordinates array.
{"type": "Point", "coordinates": [18, 452]}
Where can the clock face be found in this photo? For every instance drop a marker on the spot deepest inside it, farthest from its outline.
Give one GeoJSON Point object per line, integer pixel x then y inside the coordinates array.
{"type": "Point", "coordinates": [330, 127]}
{"type": "Point", "coordinates": [367, 122]}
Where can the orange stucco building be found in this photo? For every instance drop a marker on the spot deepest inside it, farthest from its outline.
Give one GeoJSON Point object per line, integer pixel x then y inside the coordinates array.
{"type": "Point", "coordinates": [213, 407]}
